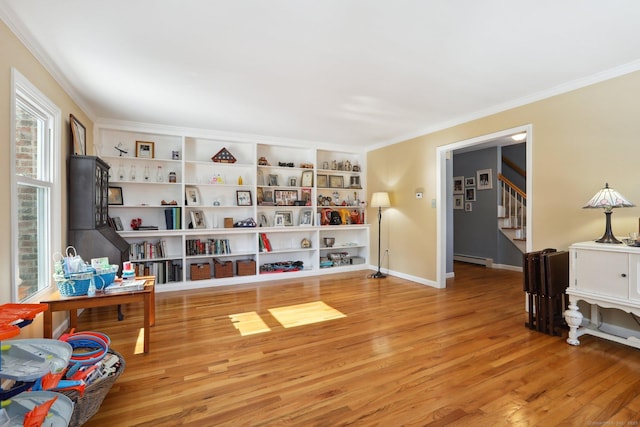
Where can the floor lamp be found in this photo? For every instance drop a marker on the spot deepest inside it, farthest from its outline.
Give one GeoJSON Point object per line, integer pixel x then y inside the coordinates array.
{"type": "Point", "coordinates": [379, 200]}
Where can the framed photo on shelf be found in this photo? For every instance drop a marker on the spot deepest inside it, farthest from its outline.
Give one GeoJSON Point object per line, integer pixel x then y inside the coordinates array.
{"type": "Point", "coordinates": [470, 194]}
{"type": "Point", "coordinates": [114, 196]}
{"type": "Point", "coordinates": [305, 194]}
{"type": "Point", "coordinates": [458, 186]}
{"type": "Point", "coordinates": [458, 201]}
{"type": "Point", "coordinates": [306, 217]}
{"type": "Point", "coordinates": [285, 197]}
{"type": "Point", "coordinates": [267, 197]}
{"type": "Point", "coordinates": [197, 219]}
{"type": "Point", "coordinates": [278, 220]}
{"type": "Point", "coordinates": [336, 181]}
{"type": "Point", "coordinates": [470, 181]}
{"type": "Point", "coordinates": [145, 149]}
{"type": "Point", "coordinates": [293, 182]}
{"type": "Point", "coordinates": [485, 179]}
{"type": "Point", "coordinates": [192, 196]}
{"type": "Point", "coordinates": [287, 217]}
{"type": "Point", "coordinates": [307, 179]}
{"type": "Point", "coordinates": [79, 136]}
{"type": "Point", "coordinates": [273, 180]}
{"type": "Point", "coordinates": [243, 198]}
{"type": "Point", "coordinates": [117, 223]}
{"type": "Point", "coordinates": [322, 181]}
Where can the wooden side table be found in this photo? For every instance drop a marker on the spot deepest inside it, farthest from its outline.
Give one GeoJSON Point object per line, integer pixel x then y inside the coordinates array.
{"type": "Point", "coordinates": [72, 304]}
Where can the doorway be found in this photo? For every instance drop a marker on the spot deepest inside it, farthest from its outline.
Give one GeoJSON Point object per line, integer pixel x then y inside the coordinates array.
{"type": "Point", "coordinates": [444, 201]}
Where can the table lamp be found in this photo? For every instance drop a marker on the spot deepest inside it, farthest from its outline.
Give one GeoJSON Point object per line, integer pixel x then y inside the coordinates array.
{"type": "Point", "coordinates": [607, 199]}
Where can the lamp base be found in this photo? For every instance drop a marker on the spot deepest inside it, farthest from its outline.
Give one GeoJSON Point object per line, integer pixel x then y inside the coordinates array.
{"type": "Point", "coordinates": [608, 239]}
{"type": "Point", "coordinates": [378, 275]}
{"type": "Point", "coordinates": [608, 236]}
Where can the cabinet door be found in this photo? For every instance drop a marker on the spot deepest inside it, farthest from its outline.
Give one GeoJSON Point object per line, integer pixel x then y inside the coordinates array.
{"type": "Point", "coordinates": [604, 273]}
{"type": "Point", "coordinates": [634, 277]}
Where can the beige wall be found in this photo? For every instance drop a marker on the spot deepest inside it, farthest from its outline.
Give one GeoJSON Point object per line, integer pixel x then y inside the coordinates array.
{"type": "Point", "coordinates": [16, 55]}
{"type": "Point", "coordinates": [581, 140]}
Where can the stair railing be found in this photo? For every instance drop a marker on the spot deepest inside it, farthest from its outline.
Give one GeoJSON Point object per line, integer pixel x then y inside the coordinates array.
{"type": "Point", "coordinates": [514, 202]}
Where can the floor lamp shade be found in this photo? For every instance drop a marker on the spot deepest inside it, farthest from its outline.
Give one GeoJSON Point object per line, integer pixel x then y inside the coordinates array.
{"type": "Point", "coordinates": [607, 199]}
{"type": "Point", "coordinates": [379, 200]}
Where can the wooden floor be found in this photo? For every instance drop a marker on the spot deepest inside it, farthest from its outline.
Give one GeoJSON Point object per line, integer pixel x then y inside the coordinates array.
{"type": "Point", "coordinates": [404, 354]}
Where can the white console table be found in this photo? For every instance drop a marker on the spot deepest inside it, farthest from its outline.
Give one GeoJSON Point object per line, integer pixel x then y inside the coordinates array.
{"type": "Point", "coordinates": [603, 275]}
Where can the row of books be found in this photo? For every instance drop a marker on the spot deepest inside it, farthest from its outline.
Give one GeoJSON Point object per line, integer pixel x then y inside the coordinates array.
{"type": "Point", "coordinates": [173, 218]}
{"type": "Point", "coordinates": [208, 247]}
{"type": "Point", "coordinates": [165, 271]}
{"type": "Point", "coordinates": [263, 243]}
{"type": "Point", "coordinates": [148, 250]}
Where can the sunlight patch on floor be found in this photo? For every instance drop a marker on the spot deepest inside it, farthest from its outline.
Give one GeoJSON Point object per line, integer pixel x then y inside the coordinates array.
{"type": "Point", "coordinates": [249, 323]}
{"type": "Point", "coordinates": [305, 314]}
{"type": "Point", "coordinates": [139, 342]}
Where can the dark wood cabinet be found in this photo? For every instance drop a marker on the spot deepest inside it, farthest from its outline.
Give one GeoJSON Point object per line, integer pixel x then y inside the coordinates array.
{"type": "Point", "coordinates": [89, 230]}
{"type": "Point", "coordinates": [88, 193]}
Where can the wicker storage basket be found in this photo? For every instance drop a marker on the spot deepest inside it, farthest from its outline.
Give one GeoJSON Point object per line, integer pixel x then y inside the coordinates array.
{"type": "Point", "coordinates": [74, 284]}
{"type": "Point", "coordinates": [87, 405]}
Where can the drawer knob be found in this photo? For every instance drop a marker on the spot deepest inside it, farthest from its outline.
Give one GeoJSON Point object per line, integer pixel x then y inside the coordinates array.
{"type": "Point", "coordinates": [623, 275]}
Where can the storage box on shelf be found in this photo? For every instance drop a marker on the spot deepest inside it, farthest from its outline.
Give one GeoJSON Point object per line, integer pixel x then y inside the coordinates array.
{"type": "Point", "coordinates": [200, 271]}
{"type": "Point", "coordinates": [276, 185]}
{"type": "Point", "coordinates": [222, 268]}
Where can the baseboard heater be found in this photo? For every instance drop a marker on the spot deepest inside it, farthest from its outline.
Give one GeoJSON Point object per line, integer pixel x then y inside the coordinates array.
{"type": "Point", "coordinates": [487, 262]}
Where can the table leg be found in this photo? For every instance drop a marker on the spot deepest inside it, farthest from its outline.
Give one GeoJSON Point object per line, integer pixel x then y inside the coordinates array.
{"type": "Point", "coordinates": [47, 322]}
{"type": "Point", "coordinates": [147, 320]}
{"type": "Point", "coordinates": [73, 318]}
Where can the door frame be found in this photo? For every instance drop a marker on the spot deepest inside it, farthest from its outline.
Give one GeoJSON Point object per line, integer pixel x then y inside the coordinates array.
{"type": "Point", "coordinates": [444, 178]}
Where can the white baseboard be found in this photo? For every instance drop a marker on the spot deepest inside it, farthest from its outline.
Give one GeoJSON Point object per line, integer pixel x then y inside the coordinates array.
{"type": "Point", "coordinates": [487, 262]}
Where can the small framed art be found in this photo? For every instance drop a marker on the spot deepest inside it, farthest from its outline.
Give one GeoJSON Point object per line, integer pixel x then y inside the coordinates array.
{"type": "Point", "coordinates": [115, 196]}
{"type": "Point", "coordinates": [470, 181]}
{"type": "Point", "coordinates": [485, 179]}
{"type": "Point", "coordinates": [79, 135]}
{"type": "Point", "coordinates": [306, 217]}
{"type": "Point", "coordinates": [243, 198]}
{"type": "Point", "coordinates": [307, 179]}
{"type": "Point", "coordinates": [336, 181]}
{"type": "Point", "coordinates": [287, 217]}
{"type": "Point", "coordinates": [458, 186]}
{"type": "Point", "coordinates": [197, 219]}
{"type": "Point", "coordinates": [322, 181]}
{"type": "Point", "coordinates": [145, 149]}
{"type": "Point", "coordinates": [470, 194]}
{"type": "Point", "coordinates": [192, 196]}
{"type": "Point", "coordinates": [458, 201]}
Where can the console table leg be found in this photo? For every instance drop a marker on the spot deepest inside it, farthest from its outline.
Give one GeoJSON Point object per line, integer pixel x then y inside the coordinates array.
{"type": "Point", "coordinates": [574, 320]}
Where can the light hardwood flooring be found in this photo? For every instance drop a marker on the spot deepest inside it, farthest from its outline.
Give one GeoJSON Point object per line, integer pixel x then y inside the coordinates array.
{"type": "Point", "coordinates": [404, 355]}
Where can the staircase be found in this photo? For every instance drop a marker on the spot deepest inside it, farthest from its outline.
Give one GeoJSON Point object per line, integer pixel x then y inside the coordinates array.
{"type": "Point", "coordinates": [512, 213]}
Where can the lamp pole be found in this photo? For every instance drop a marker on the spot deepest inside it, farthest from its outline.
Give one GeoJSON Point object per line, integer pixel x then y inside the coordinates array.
{"type": "Point", "coordinates": [378, 274]}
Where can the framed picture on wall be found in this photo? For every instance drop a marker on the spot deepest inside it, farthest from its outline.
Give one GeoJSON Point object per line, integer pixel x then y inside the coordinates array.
{"type": "Point", "coordinates": [79, 136]}
{"type": "Point", "coordinates": [470, 194]}
{"type": "Point", "coordinates": [468, 207]}
{"type": "Point", "coordinates": [458, 186]}
{"type": "Point", "coordinates": [458, 201]}
{"type": "Point", "coordinates": [485, 179]}
{"type": "Point", "coordinates": [470, 181]}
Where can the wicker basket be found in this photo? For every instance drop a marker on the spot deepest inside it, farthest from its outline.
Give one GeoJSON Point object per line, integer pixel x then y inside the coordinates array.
{"type": "Point", "coordinates": [74, 284]}
{"type": "Point", "coordinates": [86, 406]}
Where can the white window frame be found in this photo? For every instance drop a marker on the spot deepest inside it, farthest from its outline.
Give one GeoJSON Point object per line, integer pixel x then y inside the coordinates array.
{"type": "Point", "coordinates": [21, 88]}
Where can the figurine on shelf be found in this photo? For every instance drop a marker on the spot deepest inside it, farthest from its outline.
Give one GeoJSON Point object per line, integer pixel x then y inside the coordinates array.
{"type": "Point", "coordinates": [262, 161]}
{"type": "Point", "coordinates": [136, 223]}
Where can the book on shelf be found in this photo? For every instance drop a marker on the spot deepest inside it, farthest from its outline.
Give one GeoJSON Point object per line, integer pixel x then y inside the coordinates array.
{"type": "Point", "coordinates": [264, 243]}
{"type": "Point", "coordinates": [172, 218]}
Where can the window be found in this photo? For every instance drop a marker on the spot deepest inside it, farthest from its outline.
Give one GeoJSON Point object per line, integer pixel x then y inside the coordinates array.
{"type": "Point", "coordinates": [35, 195]}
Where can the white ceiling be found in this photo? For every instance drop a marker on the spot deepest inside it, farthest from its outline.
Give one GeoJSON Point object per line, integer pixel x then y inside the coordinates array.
{"type": "Point", "coordinates": [359, 73]}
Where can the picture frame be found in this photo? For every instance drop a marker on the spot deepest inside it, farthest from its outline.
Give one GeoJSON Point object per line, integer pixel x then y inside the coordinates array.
{"type": "Point", "coordinates": [145, 149]}
{"type": "Point", "coordinates": [484, 179]}
{"type": "Point", "coordinates": [322, 181]}
{"type": "Point", "coordinates": [468, 207]}
{"type": "Point", "coordinates": [287, 218]}
{"type": "Point", "coordinates": [78, 136]}
{"type": "Point", "coordinates": [293, 181]}
{"type": "Point", "coordinates": [305, 195]}
{"type": "Point", "coordinates": [305, 217]}
{"type": "Point", "coordinates": [243, 198]}
{"type": "Point", "coordinates": [114, 196]}
{"type": "Point", "coordinates": [307, 179]}
{"type": "Point", "coordinates": [458, 201]}
{"type": "Point", "coordinates": [285, 197]}
{"type": "Point", "coordinates": [470, 181]}
{"type": "Point", "coordinates": [273, 180]}
{"type": "Point", "coordinates": [470, 194]}
{"type": "Point", "coordinates": [458, 186]}
{"type": "Point", "coordinates": [278, 220]}
{"type": "Point", "coordinates": [355, 182]}
{"type": "Point", "coordinates": [117, 223]}
{"type": "Point", "coordinates": [192, 196]}
{"type": "Point", "coordinates": [267, 198]}
{"type": "Point", "coordinates": [197, 219]}
{"type": "Point", "coordinates": [336, 181]}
